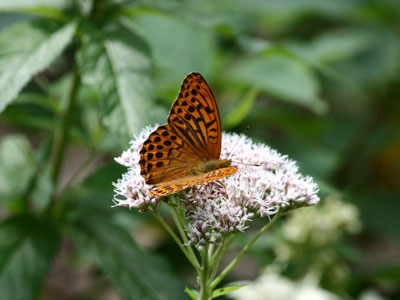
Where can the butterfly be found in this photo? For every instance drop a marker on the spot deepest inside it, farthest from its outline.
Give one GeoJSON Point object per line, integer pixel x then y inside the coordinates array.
{"type": "Point", "coordinates": [185, 151]}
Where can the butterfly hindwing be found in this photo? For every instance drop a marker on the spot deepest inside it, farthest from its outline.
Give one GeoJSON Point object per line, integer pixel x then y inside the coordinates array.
{"type": "Point", "coordinates": [178, 185]}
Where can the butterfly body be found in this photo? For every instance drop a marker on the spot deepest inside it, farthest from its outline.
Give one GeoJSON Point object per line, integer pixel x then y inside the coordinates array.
{"type": "Point", "coordinates": [214, 164]}
{"type": "Point", "coordinates": [185, 151]}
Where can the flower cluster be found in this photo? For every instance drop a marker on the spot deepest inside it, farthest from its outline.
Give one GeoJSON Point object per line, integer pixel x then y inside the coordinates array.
{"type": "Point", "coordinates": [316, 230]}
{"type": "Point", "coordinates": [323, 225]}
{"type": "Point", "coordinates": [266, 182]}
{"type": "Point", "coordinates": [131, 190]}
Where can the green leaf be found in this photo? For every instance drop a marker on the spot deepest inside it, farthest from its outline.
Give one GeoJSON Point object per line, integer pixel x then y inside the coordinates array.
{"type": "Point", "coordinates": [189, 48]}
{"type": "Point", "coordinates": [42, 191]}
{"type": "Point", "coordinates": [26, 49]}
{"type": "Point", "coordinates": [31, 110]}
{"type": "Point", "coordinates": [99, 181]}
{"type": "Point", "coordinates": [94, 227]}
{"type": "Point", "coordinates": [280, 75]}
{"type": "Point", "coordinates": [117, 61]}
{"type": "Point", "coordinates": [17, 166]}
{"type": "Point", "coordinates": [48, 8]}
{"type": "Point", "coordinates": [135, 274]}
{"type": "Point", "coordinates": [27, 249]}
{"type": "Point", "coordinates": [334, 46]}
{"type": "Point", "coordinates": [8, 19]}
{"type": "Point", "coordinates": [241, 111]}
{"type": "Point", "coordinates": [228, 289]}
{"type": "Point", "coordinates": [192, 293]}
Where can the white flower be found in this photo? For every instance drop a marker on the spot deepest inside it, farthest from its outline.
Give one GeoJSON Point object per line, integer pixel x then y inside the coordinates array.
{"type": "Point", "coordinates": [130, 158]}
{"type": "Point", "coordinates": [131, 190]}
{"type": "Point", "coordinates": [315, 230]}
{"type": "Point", "coordinates": [371, 294]}
{"type": "Point", "coordinates": [272, 286]}
{"type": "Point", "coordinates": [266, 182]}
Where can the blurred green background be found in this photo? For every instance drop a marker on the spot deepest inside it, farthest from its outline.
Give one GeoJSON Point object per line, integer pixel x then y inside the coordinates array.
{"type": "Point", "coordinates": [317, 80]}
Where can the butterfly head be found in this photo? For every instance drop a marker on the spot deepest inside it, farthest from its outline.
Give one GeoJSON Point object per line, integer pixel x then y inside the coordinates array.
{"type": "Point", "coordinates": [224, 163]}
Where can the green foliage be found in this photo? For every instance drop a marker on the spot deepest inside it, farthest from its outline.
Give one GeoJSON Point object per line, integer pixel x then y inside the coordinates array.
{"type": "Point", "coordinates": [16, 161]}
{"type": "Point", "coordinates": [318, 80]}
{"type": "Point", "coordinates": [241, 111]}
{"type": "Point", "coordinates": [116, 61]}
{"type": "Point", "coordinates": [227, 289]}
{"type": "Point", "coordinates": [278, 74]}
{"type": "Point", "coordinates": [26, 49]}
{"type": "Point", "coordinates": [27, 249]}
{"type": "Point", "coordinates": [192, 293]}
{"type": "Point", "coordinates": [109, 246]}
{"type": "Point", "coordinates": [134, 273]}
{"type": "Point", "coordinates": [177, 47]}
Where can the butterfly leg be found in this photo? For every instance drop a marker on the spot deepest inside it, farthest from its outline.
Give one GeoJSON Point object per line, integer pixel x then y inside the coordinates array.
{"type": "Point", "coordinates": [221, 183]}
{"type": "Point", "coordinates": [197, 191]}
{"type": "Point", "coordinates": [224, 187]}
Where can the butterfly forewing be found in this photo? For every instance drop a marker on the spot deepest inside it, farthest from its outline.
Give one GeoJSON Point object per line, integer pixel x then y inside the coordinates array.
{"type": "Point", "coordinates": [173, 154]}
{"type": "Point", "coordinates": [194, 115]}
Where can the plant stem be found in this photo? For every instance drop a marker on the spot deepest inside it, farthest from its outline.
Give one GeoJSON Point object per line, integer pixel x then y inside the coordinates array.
{"type": "Point", "coordinates": [193, 260]}
{"type": "Point", "coordinates": [216, 258]}
{"type": "Point", "coordinates": [178, 222]}
{"type": "Point", "coordinates": [61, 135]}
{"type": "Point", "coordinates": [244, 250]}
{"type": "Point", "coordinates": [60, 138]}
{"type": "Point", "coordinates": [204, 280]}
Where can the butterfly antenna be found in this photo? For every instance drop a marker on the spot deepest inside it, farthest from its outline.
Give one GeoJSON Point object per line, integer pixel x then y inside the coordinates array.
{"type": "Point", "coordinates": [240, 137]}
{"type": "Point", "coordinates": [251, 165]}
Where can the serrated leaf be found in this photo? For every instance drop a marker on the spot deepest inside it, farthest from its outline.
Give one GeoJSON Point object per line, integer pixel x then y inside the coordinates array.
{"type": "Point", "coordinates": [131, 65]}
{"type": "Point", "coordinates": [117, 61]}
{"type": "Point", "coordinates": [282, 76]}
{"type": "Point", "coordinates": [227, 289]}
{"type": "Point", "coordinates": [26, 49]}
{"type": "Point", "coordinates": [27, 249]}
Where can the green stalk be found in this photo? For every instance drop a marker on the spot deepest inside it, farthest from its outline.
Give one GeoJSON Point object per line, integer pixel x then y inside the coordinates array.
{"type": "Point", "coordinates": [61, 135]}
{"type": "Point", "coordinates": [204, 279]}
{"type": "Point", "coordinates": [178, 222]}
{"type": "Point", "coordinates": [244, 250]}
{"type": "Point", "coordinates": [192, 260]}
{"type": "Point", "coordinates": [216, 258]}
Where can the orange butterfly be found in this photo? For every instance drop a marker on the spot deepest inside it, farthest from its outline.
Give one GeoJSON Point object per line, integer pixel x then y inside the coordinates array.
{"type": "Point", "coordinates": [185, 152]}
